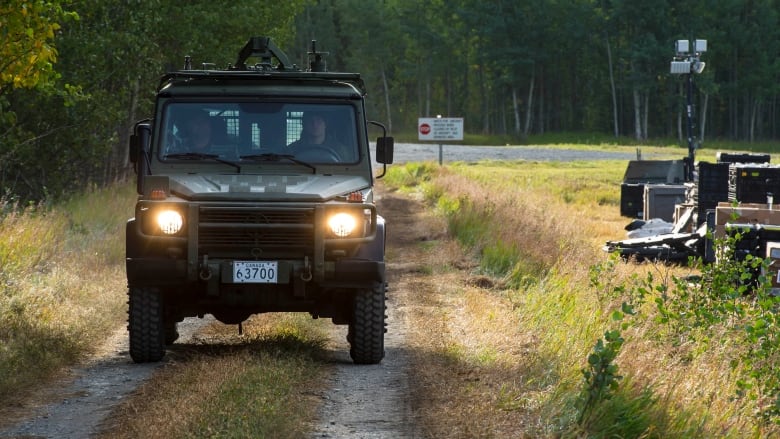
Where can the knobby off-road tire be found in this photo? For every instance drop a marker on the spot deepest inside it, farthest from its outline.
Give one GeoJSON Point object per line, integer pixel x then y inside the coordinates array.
{"type": "Point", "coordinates": [367, 329]}
{"type": "Point", "coordinates": [146, 325]}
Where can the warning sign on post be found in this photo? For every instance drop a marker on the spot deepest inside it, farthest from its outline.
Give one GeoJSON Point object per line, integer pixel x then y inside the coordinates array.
{"type": "Point", "coordinates": [440, 128]}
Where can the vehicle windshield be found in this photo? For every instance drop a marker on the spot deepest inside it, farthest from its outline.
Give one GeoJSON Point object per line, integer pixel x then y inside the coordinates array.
{"type": "Point", "coordinates": [242, 132]}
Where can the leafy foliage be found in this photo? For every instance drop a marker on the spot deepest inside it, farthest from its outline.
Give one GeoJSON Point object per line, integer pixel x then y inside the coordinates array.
{"type": "Point", "coordinates": [601, 374]}
{"type": "Point", "coordinates": [27, 55]}
{"type": "Point", "coordinates": [78, 112]}
{"type": "Point", "coordinates": [731, 298]}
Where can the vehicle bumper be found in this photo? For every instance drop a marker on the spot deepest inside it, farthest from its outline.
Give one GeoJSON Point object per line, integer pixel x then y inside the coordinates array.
{"type": "Point", "coordinates": [349, 273]}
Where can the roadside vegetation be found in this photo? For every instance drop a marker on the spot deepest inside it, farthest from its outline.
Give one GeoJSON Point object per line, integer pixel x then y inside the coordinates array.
{"type": "Point", "coordinates": [62, 283]}
{"type": "Point", "coordinates": [628, 350]}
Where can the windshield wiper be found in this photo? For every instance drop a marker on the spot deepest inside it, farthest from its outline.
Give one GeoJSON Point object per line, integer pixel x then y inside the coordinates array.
{"type": "Point", "coordinates": [269, 157]}
{"type": "Point", "coordinates": [202, 156]}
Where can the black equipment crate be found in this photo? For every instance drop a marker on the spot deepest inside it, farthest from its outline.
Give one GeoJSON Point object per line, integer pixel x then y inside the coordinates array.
{"type": "Point", "coordinates": [642, 172]}
{"type": "Point", "coordinates": [751, 183]}
{"type": "Point", "coordinates": [655, 171]}
{"type": "Point", "coordinates": [712, 187]}
{"type": "Point", "coordinates": [632, 199]}
{"type": "Point", "coordinates": [732, 157]}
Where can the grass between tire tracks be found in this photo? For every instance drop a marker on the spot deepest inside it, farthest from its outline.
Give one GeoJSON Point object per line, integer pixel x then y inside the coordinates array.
{"type": "Point", "coordinates": [262, 384]}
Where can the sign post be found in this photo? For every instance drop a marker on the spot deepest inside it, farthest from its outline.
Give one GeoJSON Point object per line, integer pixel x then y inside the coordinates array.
{"type": "Point", "coordinates": [440, 129]}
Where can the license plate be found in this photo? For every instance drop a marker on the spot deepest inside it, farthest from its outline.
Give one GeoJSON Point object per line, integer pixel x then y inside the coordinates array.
{"type": "Point", "coordinates": [258, 272]}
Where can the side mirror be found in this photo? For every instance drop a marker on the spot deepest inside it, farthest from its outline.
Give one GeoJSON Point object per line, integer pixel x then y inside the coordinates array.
{"type": "Point", "coordinates": [139, 140]}
{"type": "Point", "coordinates": [139, 151]}
{"type": "Point", "coordinates": [384, 150]}
{"type": "Point", "coordinates": [134, 147]}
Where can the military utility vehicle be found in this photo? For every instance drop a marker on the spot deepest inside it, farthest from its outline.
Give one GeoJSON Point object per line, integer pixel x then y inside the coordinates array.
{"type": "Point", "coordinates": [255, 195]}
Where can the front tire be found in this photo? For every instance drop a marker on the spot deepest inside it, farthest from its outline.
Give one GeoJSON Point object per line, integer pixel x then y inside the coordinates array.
{"type": "Point", "coordinates": [367, 327]}
{"type": "Point", "coordinates": [146, 325]}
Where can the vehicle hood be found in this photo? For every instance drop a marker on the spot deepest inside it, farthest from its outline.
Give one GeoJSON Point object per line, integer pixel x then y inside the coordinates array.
{"type": "Point", "coordinates": [242, 187]}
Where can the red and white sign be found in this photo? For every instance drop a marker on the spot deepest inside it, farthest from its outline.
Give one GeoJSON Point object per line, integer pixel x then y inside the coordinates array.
{"type": "Point", "coordinates": [440, 128]}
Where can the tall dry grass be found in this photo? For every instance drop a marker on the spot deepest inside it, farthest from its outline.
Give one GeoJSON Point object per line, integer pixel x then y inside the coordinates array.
{"type": "Point", "coordinates": [62, 283]}
{"type": "Point", "coordinates": [540, 226]}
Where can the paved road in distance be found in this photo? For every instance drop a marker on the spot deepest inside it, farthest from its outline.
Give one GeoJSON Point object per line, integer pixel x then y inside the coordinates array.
{"type": "Point", "coordinates": [419, 152]}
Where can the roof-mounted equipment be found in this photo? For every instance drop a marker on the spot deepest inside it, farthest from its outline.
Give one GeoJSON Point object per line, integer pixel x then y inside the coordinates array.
{"type": "Point", "coordinates": [316, 60]}
{"type": "Point", "coordinates": [266, 50]}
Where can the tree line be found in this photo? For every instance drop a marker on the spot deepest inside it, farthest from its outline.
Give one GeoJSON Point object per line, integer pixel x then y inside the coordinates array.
{"type": "Point", "coordinates": [75, 75]}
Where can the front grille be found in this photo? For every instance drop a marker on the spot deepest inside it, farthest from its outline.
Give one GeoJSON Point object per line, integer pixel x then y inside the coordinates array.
{"type": "Point", "coordinates": [256, 216]}
{"type": "Point", "coordinates": [238, 231]}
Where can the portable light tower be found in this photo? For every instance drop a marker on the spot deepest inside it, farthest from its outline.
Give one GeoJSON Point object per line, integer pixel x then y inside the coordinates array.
{"type": "Point", "coordinates": [687, 62]}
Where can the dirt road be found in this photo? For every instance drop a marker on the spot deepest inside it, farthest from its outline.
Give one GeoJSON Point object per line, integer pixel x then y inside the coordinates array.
{"type": "Point", "coordinates": [77, 404]}
{"type": "Point", "coordinates": [414, 392]}
{"type": "Point", "coordinates": [361, 401]}
{"type": "Point", "coordinates": [378, 402]}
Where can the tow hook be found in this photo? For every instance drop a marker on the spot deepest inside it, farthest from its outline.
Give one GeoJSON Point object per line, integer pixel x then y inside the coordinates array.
{"type": "Point", "coordinates": [306, 272]}
{"type": "Point", "coordinates": [205, 271]}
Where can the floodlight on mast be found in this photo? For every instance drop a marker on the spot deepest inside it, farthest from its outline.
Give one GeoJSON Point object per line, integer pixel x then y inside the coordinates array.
{"type": "Point", "coordinates": [688, 62]}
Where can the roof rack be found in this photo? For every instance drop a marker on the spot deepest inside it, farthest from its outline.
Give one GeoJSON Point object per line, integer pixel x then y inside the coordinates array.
{"type": "Point", "coordinates": [267, 51]}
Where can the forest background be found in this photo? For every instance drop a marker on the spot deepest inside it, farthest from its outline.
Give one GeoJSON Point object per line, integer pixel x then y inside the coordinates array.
{"type": "Point", "coordinates": [75, 75]}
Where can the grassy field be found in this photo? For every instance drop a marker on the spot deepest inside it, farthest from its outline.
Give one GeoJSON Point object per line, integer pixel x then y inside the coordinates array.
{"type": "Point", "coordinates": [638, 351]}
{"type": "Point", "coordinates": [62, 283]}
{"type": "Point", "coordinates": [633, 350]}
{"type": "Point", "coordinates": [602, 140]}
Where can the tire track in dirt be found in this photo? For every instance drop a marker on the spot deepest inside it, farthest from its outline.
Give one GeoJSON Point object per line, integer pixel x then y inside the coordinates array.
{"type": "Point", "coordinates": [77, 405]}
{"type": "Point", "coordinates": [375, 401]}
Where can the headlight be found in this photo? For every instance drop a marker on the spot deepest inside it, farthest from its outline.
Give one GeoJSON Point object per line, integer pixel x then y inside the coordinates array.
{"type": "Point", "coordinates": [342, 224]}
{"type": "Point", "coordinates": [170, 222]}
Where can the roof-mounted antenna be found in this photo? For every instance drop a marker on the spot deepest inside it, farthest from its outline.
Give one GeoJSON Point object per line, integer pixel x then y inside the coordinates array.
{"type": "Point", "coordinates": [317, 62]}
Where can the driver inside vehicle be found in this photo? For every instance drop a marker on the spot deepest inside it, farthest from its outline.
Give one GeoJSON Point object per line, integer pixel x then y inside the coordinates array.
{"type": "Point", "coordinates": [316, 143]}
{"type": "Point", "coordinates": [197, 132]}
{"type": "Point", "coordinates": [192, 133]}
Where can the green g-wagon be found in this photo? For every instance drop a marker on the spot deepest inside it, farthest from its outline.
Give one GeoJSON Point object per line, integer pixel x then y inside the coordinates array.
{"type": "Point", "coordinates": [255, 194]}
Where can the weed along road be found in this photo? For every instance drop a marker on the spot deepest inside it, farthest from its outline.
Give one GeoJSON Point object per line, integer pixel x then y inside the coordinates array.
{"type": "Point", "coordinates": [294, 378]}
